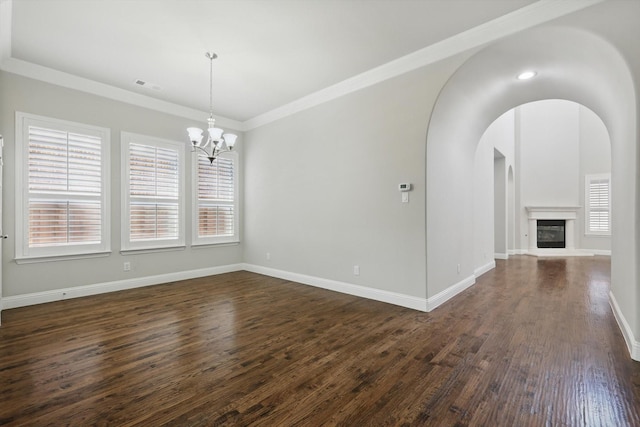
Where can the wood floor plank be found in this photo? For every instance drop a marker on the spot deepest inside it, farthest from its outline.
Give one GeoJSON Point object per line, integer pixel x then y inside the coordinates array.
{"type": "Point", "coordinates": [534, 342]}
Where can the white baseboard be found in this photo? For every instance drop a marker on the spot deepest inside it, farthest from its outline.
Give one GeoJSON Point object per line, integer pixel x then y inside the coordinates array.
{"type": "Point", "coordinates": [500, 256]}
{"type": "Point", "coordinates": [402, 300]}
{"type": "Point", "coordinates": [408, 301]}
{"type": "Point", "coordinates": [444, 296]}
{"type": "Point", "coordinates": [601, 252]}
{"type": "Point", "coordinates": [118, 285]}
{"type": "Point", "coordinates": [395, 298]}
{"type": "Point", "coordinates": [632, 344]}
{"type": "Point", "coordinates": [559, 252]}
{"type": "Point", "coordinates": [483, 269]}
{"type": "Point", "coordinates": [551, 252]}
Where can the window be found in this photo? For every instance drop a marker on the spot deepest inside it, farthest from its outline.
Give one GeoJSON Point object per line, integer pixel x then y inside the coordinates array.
{"type": "Point", "coordinates": [62, 188]}
{"type": "Point", "coordinates": [598, 204]}
{"type": "Point", "coordinates": [153, 189]}
{"type": "Point", "coordinates": [215, 193]}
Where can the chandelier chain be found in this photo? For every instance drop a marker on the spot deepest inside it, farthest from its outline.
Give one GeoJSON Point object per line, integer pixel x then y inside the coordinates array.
{"type": "Point", "coordinates": [211, 85]}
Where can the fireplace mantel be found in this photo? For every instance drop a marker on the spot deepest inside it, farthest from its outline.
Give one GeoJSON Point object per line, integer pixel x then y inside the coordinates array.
{"type": "Point", "coordinates": [553, 212]}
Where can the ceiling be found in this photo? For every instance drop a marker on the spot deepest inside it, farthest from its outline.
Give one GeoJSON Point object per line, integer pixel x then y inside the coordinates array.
{"type": "Point", "coordinates": [271, 52]}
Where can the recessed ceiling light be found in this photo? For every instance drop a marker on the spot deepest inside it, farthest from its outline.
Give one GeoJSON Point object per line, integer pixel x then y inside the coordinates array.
{"type": "Point", "coordinates": [527, 75]}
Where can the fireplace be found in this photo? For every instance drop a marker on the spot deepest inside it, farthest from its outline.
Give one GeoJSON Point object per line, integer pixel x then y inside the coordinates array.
{"type": "Point", "coordinates": [555, 227]}
{"type": "Point", "coordinates": [551, 233]}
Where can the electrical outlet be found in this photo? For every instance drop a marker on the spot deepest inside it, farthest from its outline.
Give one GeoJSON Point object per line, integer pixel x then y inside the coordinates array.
{"type": "Point", "coordinates": [458, 268]}
{"type": "Point", "coordinates": [356, 270]}
{"type": "Point", "coordinates": [268, 256]}
{"type": "Point", "coordinates": [127, 266]}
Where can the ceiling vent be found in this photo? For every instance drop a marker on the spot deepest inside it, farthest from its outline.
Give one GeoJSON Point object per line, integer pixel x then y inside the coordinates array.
{"type": "Point", "coordinates": [147, 85]}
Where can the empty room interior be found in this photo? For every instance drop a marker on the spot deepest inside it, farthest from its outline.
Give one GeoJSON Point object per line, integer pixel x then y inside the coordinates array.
{"type": "Point", "coordinates": [320, 212]}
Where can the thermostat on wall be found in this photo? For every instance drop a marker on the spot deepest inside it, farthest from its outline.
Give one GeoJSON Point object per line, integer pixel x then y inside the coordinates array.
{"type": "Point", "coordinates": [404, 186]}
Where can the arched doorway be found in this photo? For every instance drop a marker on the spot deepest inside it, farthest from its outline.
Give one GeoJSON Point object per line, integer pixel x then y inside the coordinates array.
{"type": "Point", "coordinates": [558, 147]}
{"type": "Point", "coordinates": [480, 91]}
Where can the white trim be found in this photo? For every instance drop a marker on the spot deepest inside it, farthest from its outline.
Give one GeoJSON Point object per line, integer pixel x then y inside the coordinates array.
{"type": "Point", "coordinates": [34, 260]}
{"type": "Point", "coordinates": [551, 252]}
{"type": "Point", "coordinates": [632, 344]}
{"type": "Point", "coordinates": [152, 250]}
{"type": "Point", "coordinates": [444, 296]}
{"type": "Point", "coordinates": [484, 268]}
{"type": "Point", "coordinates": [555, 252]}
{"type": "Point", "coordinates": [23, 252]}
{"type": "Point", "coordinates": [408, 301]}
{"type": "Point", "coordinates": [441, 297]}
{"type": "Point", "coordinates": [516, 21]}
{"type": "Point", "coordinates": [126, 245]}
{"type": "Point", "coordinates": [118, 285]}
{"type": "Point", "coordinates": [500, 256]}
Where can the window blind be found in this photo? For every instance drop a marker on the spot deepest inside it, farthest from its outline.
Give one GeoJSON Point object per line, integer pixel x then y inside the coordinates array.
{"type": "Point", "coordinates": [64, 174]}
{"type": "Point", "coordinates": [216, 197]}
{"type": "Point", "coordinates": [154, 182]}
{"type": "Point", "coordinates": [598, 199]}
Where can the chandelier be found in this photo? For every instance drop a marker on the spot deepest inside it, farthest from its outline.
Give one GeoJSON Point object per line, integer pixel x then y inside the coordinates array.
{"type": "Point", "coordinates": [216, 142]}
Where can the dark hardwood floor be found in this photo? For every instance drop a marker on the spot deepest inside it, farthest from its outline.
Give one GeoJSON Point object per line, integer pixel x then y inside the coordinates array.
{"type": "Point", "coordinates": [533, 343]}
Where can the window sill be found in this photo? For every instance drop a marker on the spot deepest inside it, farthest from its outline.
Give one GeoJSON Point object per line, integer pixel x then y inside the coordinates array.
{"type": "Point", "coordinates": [214, 244]}
{"type": "Point", "coordinates": [151, 250]}
{"type": "Point", "coordinates": [36, 259]}
{"type": "Point", "coordinates": [597, 234]}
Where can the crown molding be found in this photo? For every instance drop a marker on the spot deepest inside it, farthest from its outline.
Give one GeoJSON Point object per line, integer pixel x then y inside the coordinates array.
{"type": "Point", "coordinates": [518, 20]}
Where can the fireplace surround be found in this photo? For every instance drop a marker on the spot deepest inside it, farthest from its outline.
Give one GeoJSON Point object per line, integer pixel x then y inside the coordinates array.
{"type": "Point", "coordinates": [568, 214]}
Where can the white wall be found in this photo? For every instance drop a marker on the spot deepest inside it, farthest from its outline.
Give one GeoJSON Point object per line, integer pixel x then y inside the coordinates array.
{"type": "Point", "coordinates": [500, 206]}
{"type": "Point", "coordinates": [558, 143]}
{"type": "Point", "coordinates": [483, 195]}
{"type": "Point", "coordinates": [498, 136]}
{"type": "Point", "coordinates": [549, 159]}
{"type": "Point", "coordinates": [36, 97]}
{"type": "Point", "coordinates": [595, 158]}
{"type": "Point", "coordinates": [322, 186]}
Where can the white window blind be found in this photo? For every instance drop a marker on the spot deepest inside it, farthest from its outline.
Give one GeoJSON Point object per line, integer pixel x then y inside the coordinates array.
{"type": "Point", "coordinates": [215, 192]}
{"type": "Point", "coordinates": [153, 193]}
{"type": "Point", "coordinates": [63, 185]}
{"type": "Point", "coordinates": [598, 200]}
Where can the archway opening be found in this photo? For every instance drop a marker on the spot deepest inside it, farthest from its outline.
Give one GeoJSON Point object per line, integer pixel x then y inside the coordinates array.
{"type": "Point", "coordinates": [562, 153]}
{"type": "Point", "coordinates": [571, 64]}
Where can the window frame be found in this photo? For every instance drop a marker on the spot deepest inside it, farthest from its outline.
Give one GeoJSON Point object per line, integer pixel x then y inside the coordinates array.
{"type": "Point", "coordinates": [589, 178]}
{"type": "Point", "coordinates": [126, 138]}
{"type": "Point", "coordinates": [196, 240]}
{"type": "Point", "coordinates": [24, 253]}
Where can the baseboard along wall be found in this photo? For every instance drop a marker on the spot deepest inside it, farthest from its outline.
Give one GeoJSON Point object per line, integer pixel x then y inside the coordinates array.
{"type": "Point", "coordinates": [118, 285]}
{"type": "Point", "coordinates": [632, 343]}
{"type": "Point", "coordinates": [408, 301]}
